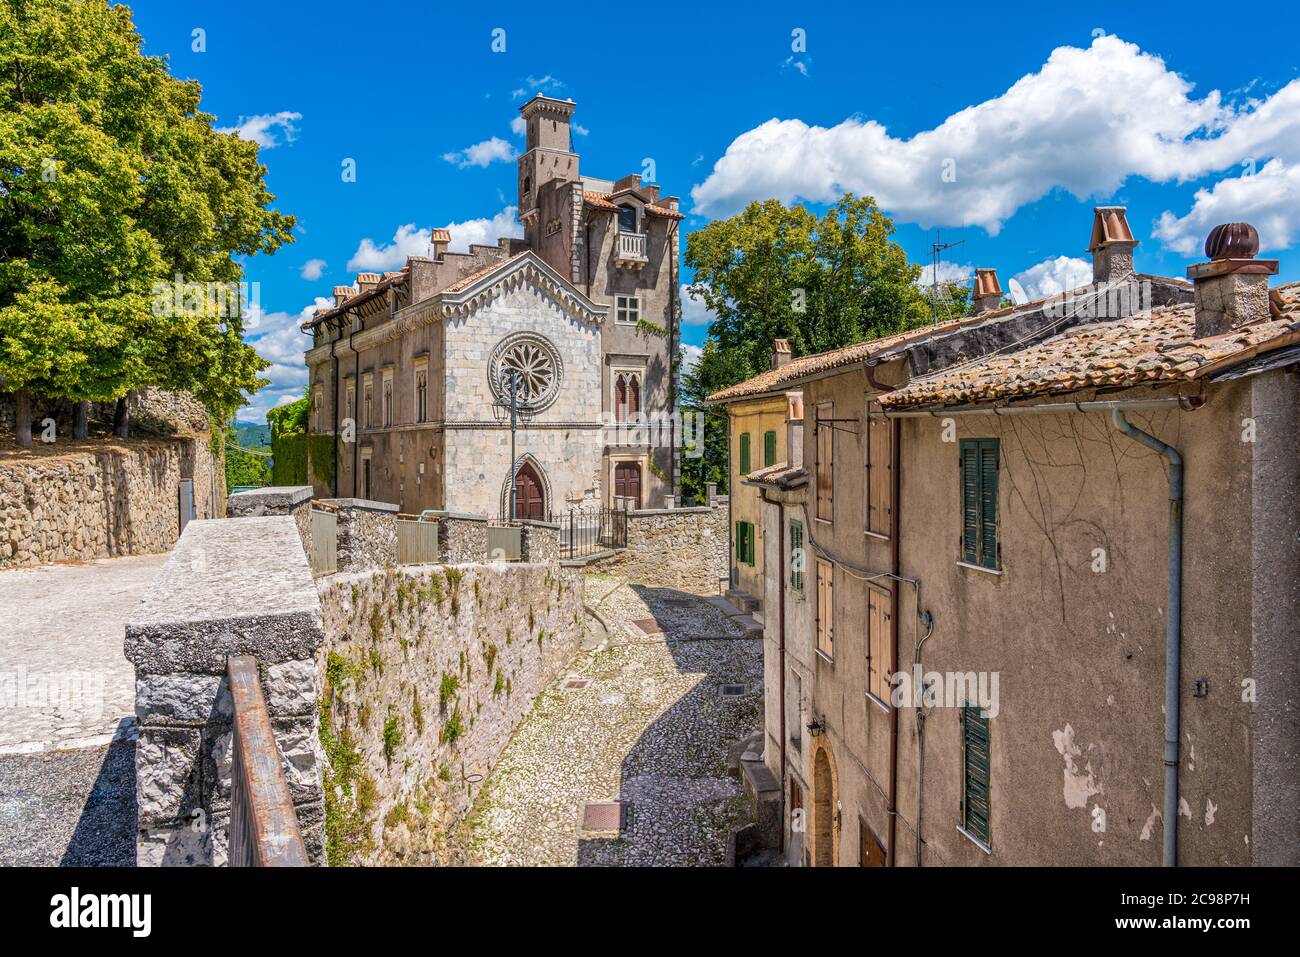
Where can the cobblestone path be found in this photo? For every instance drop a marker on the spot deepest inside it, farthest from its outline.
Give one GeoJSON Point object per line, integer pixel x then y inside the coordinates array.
{"type": "Point", "coordinates": [651, 728]}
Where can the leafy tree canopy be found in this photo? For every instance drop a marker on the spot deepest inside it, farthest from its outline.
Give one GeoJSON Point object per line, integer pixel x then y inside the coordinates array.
{"type": "Point", "coordinates": [113, 180]}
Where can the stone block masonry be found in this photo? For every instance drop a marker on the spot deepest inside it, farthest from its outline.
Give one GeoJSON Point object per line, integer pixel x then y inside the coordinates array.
{"type": "Point", "coordinates": [684, 548]}
{"type": "Point", "coordinates": [229, 588]}
{"type": "Point", "coordinates": [119, 498]}
{"type": "Point", "coordinates": [427, 672]}
{"type": "Point", "coordinates": [367, 533]}
{"type": "Point", "coordinates": [292, 500]}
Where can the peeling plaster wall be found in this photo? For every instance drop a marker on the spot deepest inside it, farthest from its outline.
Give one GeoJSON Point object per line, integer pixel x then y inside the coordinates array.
{"type": "Point", "coordinates": [1076, 749]}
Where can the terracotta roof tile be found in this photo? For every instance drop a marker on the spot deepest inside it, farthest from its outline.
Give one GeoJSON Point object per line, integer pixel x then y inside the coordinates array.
{"type": "Point", "coordinates": [601, 201]}
{"type": "Point", "coordinates": [780, 475]}
{"type": "Point", "coordinates": [1159, 347]}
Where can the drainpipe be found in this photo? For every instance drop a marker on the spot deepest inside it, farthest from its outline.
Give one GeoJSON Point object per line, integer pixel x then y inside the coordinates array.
{"type": "Point", "coordinates": [334, 483]}
{"type": "Point", "coordinates": [357, 399]}
{"type": "Point", "coordinates": [732, 568]}
{"type": "Point", "coordinates": [1173, 628]}
{"type": "Point", "coordinates": [780, 637]}
{"type": "Point", "coordinates": [673, 293]}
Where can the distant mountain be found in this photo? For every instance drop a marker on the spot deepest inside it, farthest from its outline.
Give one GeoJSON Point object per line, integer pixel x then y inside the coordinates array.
{"type": "Point", "coordinates": [254, 436]}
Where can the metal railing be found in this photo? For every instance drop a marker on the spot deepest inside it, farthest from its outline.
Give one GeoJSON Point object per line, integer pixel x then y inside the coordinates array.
{"type": "Point", "coordinates": [324, 539]}
{"type": "Point", "coordinates": [586, 533]}
{"type": "Point", "coordinates": [263, 824]}
{"type": "Point", "coordinates": [417, 540]}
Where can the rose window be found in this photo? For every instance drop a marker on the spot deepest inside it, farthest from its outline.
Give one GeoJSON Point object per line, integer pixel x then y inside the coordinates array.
{"type": "Point", "coordinates": [536, 364]}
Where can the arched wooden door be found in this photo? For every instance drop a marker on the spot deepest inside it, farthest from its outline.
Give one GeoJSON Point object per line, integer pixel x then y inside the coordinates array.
{"type": "Point", "coordinates": [530, 499]}
{"type": "Point", "coordinates": [627, 484]}
{"type": "Point", "coordinates": [823, 823]}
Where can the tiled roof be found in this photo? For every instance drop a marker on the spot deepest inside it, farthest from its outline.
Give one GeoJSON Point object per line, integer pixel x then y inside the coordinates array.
{"type": "Point", "coordinates": [1159, 347]}
{"type": "Point", "coordinates": [601, 201]}
{"type": "Point", "coordinates": [773, 380]}
{"type": "Point", "coordinates": [355, 297]}
{"type": "Point", "coordinates": [780, 475]}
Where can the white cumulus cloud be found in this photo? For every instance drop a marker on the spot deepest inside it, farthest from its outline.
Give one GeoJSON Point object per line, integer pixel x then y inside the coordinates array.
{"type": "Point", "coordinates": [261, 129]}
{"type": "Point", "coordinates": [948, 273]}
{"type": "Point", "coordinates": [1085, 122]}
{"type": "Point", "coordinates": [494, 150]}
{"type": "Point", "coordinates": [313, 269]}
{"type": "Point", "coordinates": [694, 311]}
{"type": "Point", "coordinates": [1269, 200]}
{"type": "Point", "coordinates": [278, 339]}
{"type": "Point", "coordinates": [1052, 276]}
{"type": "Point", "coordinates": [410, 240]}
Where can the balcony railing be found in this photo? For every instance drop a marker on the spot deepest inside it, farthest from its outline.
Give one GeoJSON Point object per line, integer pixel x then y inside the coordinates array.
{"type": "Point", "coordinates": [630, 249]}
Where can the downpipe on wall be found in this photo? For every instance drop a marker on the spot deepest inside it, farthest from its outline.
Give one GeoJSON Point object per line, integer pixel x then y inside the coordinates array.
{"type": "Point", "coordinates": [1173, 628]}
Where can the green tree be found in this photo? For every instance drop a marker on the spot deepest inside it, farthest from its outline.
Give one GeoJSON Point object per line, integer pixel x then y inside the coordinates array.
{"type": "Point", "coordinates": [113, 181]}
{"type": "Point", "coordinates": [781, 272]}
{"type": "Point", "coordinates": [243, 468]}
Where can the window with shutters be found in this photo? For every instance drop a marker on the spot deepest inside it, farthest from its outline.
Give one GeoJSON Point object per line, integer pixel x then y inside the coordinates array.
{"type": "Point", "coordinates": [979, 503]}
{"type": "Point", "coordinates": [367, 400]}
{"type": "Point", "coordinates": [387, 407]}
{"type": "Point", "coordinates": [880, 647]}
{"type": "Point", "coordinates": [825, 610]}
{"type": "Point", "coordinates": [880, 464]}
{"type": "Point", "coordinates": [769, 449]}
{"type": "Point", "coordinates": [745, 543]}
{"type": "Point", "coordinates": [975, 774]}
{"type": "Point", "coordinates": [797, 562]}
{"type": "Point", "coordinates": [794, 711]}
{"type": "Point", "coordinates": [825, 436]}
{"type": "Point", "coordinates": [422, 389]}
{"type": "Point", "coordinates": [744, 453]}
{"type": "Point", "coordinates": [871, 853]}
{"type": "Point", "coordinates": [627, 395]}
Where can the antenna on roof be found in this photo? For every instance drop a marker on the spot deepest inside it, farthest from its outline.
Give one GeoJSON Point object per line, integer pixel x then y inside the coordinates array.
{"type": "Point", "coordinates": [939, 294]}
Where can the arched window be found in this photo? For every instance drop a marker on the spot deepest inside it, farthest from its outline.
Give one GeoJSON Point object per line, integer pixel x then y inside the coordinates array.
{"type": "Point", "coordinates": [627, 396]}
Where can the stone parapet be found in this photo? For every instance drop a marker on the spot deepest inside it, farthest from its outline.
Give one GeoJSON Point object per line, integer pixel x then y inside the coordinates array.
{"type": "Point", "coordinates": [229, 588]}
{"type": "Point", "coordinates": [367, 533]}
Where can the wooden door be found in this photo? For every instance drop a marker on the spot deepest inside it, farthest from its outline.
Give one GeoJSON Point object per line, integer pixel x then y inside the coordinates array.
{"type": "Point", "coordinates": [530, 502]}
{"type": "Point", "coordinates": [871, 853]}
{"type": "Point", "coordinates": [627, 483]}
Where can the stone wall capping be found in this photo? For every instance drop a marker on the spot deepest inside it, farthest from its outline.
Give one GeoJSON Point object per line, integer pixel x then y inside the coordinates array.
{"type": "Point", "coordinates": [680, 510]}
{"type": "Point", "coordinates": [362, 503]}
{"type": "Point", "coordinates": [281, 496]}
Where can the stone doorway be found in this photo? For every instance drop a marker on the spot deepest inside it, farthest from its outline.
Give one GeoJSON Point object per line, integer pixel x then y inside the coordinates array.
{"type": "Point", "coordinates": [823, 810]}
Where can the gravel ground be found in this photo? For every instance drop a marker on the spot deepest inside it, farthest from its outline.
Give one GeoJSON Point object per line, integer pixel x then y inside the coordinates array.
{"type": "Point", "coordinates": [74, 808]}
{"type": "Point", "coordinates": [650, 729]}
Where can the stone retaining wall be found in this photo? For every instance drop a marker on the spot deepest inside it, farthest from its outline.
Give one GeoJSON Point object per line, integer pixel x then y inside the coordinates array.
{"type": "Point", "coordinates": [428, 670]}
{"type": "Point", "coordinates": [683, 548]}
{"type": "Point", "coordinates": [229, 588]}
{"type": "Point", "coordinates": [539, 541]}
{"type": "Point", "coordinates": [102, 500]}
{"type": "Point", "coordinates": [367, 533]}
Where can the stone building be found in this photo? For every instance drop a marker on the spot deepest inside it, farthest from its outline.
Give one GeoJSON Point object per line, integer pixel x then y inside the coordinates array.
{"type": "Point", "coordinates": [1033, 579]}
{"type": "Point", "coordinates": [585, 307]}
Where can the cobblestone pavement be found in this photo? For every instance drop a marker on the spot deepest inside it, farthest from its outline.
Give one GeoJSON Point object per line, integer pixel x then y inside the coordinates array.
{"type": "Point", "coordinates": [651, 728]}
{"type": "Point", "coordinates": [64, 682]}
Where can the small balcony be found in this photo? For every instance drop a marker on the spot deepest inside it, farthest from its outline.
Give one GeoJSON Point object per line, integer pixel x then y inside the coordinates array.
{"type": "Point", "coordinates": [629, 250]}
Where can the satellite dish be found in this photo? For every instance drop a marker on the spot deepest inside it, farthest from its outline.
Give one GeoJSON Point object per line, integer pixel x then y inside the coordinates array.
{"type": "Point", "coordinates": [1018, 295]}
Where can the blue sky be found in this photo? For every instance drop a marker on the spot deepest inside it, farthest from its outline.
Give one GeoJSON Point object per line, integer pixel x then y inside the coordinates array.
{"type": "Point", "coordinates": [1188, 114]}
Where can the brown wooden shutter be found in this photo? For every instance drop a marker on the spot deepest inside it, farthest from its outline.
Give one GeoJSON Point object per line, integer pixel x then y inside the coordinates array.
{"type": "Point", "coordinates": [825, 609]}
{"type": "Point", "coordinates": [880, 658]}
{"type": "Point", "coordinates": [825, 460]}
{"type": "Point", "coordinates": [880, 462]}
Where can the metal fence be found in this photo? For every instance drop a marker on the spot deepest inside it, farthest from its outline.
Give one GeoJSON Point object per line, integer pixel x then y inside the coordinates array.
{"type": "Point", "coordinates": [263, 823]}
{"type": "Point", "coordinates": [324, 540]}
{"type": "Point", "coordinates": [586, 533]}
{"type": "Point", "coordinates": [417, 541]}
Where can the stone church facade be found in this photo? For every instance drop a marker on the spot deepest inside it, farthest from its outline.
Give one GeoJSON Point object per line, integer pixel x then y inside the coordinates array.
{"type": "Point", "coordinates": [585, 307]}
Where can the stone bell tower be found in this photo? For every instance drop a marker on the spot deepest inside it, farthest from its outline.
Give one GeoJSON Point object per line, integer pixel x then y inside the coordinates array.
{"type": "Point", "coordinates": [547, 162]}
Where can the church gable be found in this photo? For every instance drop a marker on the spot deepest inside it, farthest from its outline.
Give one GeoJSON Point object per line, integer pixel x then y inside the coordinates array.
{"type": "Point", "coordinates": [526, 269]}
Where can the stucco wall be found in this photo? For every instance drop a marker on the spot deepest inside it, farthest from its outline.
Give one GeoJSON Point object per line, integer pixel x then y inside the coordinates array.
{"type": "Point", "coordinates": [102, 501]}
{"type": "Point", "coordinates": [754, 418]}
{"type": "Point", "coordinates": [1076, 746]}
{"type": "Point", "coordinates": [493, 635]}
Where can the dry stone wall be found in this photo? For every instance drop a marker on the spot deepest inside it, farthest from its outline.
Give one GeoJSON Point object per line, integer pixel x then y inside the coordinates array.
{"type": "Point", "coordinates": [427, 671]}
{"type": "Point", "coordinates": [101, 502]}
{"type": "Point", "coordinates": [683, 548]}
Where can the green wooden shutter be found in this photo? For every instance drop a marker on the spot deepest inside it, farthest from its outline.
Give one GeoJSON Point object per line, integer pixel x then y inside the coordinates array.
{"type": "Point", "coordinates": [975, 763]}
{"type": "Point", "coordinates": [970, 489]}
{"type": "Point", "coordinates": [769, 449]}
{"type": "Point", "coordinates": [744, 453]}
{"type": "Point", "coordinates": [979, 502]}
{"type": "Point", "coordinates": [797, 558]}
{"type": "Point", "coordinates": [988, 455]}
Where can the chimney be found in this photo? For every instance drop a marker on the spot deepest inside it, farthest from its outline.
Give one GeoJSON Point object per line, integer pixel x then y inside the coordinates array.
{"type": "Point", "coordinates": [987, 292]}
{"type": "Point", "coordinates": [439, 240]}
{"type": "Point", "coordinates": [1112, 244]}
{"type": "Point", "coordinates": [342, 294]}
{"type": "Point", "coordinates": [367, 280]}
{"type": "Point", "coordinates": [1232, 288]}
{"type": "Point", "coordinates": [780, 353]}
{"type": "Point", "coordinates": [794, 429]}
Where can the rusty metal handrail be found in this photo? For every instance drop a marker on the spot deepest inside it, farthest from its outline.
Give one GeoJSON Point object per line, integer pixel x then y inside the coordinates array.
{"type": "Point", "coordinates": [263, 824]}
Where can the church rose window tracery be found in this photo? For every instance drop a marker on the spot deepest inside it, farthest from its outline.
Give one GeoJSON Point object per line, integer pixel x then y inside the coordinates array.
{"type": "Point", "coordinates": [537, 362]}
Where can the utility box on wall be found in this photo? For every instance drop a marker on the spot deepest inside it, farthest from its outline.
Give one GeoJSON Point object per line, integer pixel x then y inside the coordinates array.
{"type": "Point", "coordinates": [185, 503]}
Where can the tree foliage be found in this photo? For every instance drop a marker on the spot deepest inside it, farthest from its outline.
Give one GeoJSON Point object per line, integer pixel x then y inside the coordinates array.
{"type": "Point", "coordinates": [112, 180]}
{"type": "Point", "coordinates": [781, 272]}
